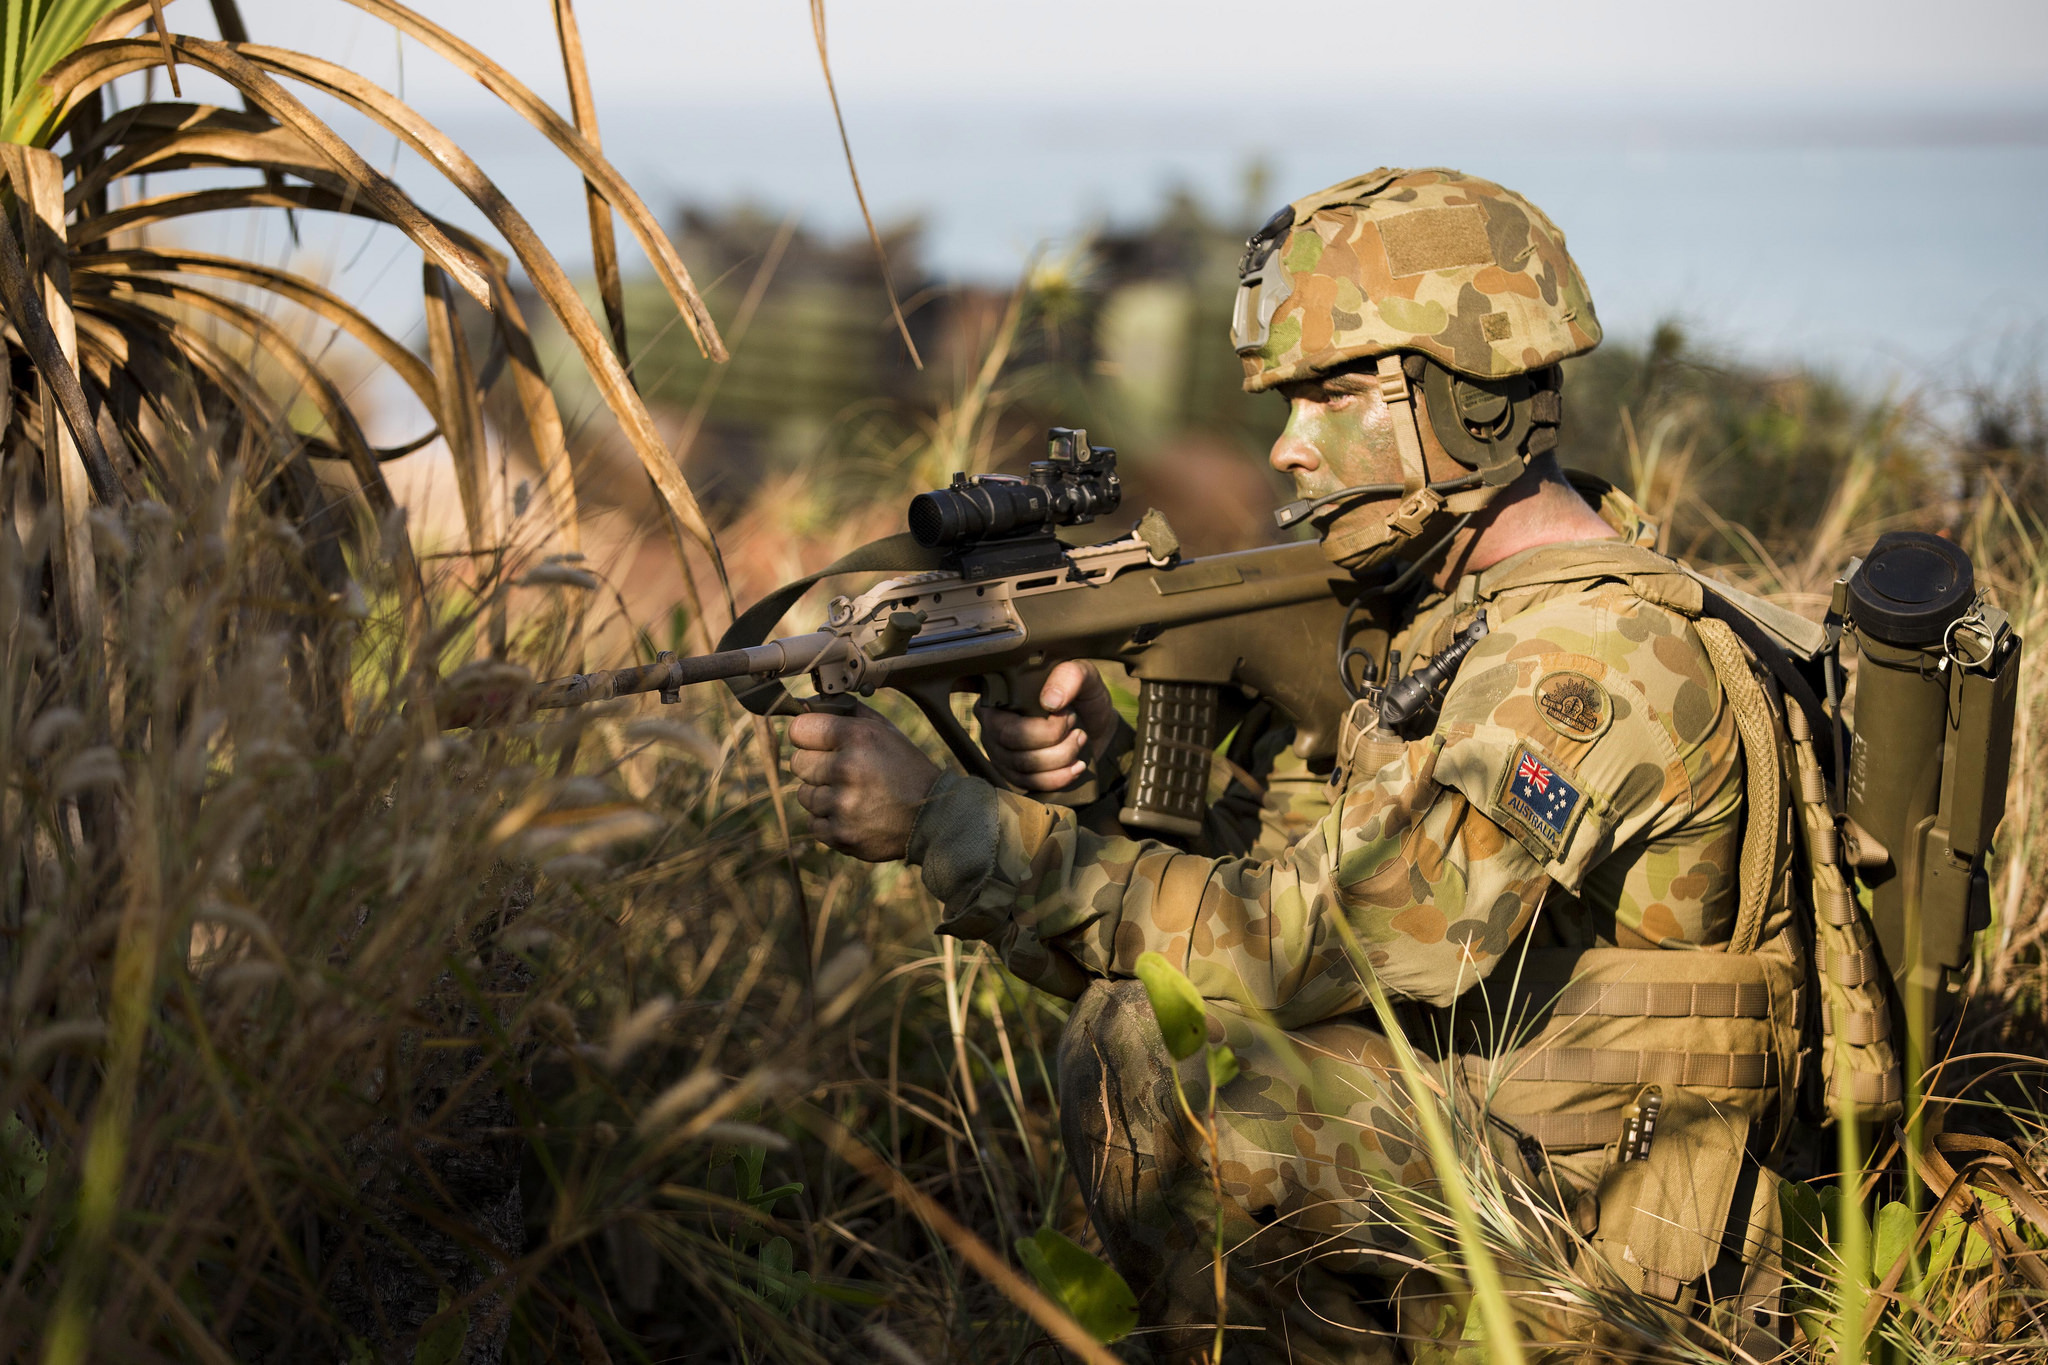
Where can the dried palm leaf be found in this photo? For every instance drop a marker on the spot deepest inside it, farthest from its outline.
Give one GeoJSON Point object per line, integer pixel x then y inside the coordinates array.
{"type": "Point", "coordinates": [604, 245]}
{"type": "Point", "coordinates": [86, 70]}
{"type": "Point", "coordinates": [127, 339]}
{"type": "Point", "coordinates": [597, 172]}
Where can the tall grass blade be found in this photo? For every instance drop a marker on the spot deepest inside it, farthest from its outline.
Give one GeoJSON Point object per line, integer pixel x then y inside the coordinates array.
{"type": "Point", "coordinates": [1503, 1345]}
{"type": "Point", "coordinates": [604, 244]}
{"type": "Point", "coordinates": [846, 145]}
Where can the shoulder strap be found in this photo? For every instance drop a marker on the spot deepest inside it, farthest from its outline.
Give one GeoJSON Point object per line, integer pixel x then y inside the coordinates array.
{"type": "Point", "coordinates": [1768, 651]}
{"type": "Point", "coordinates": [1762, 838]}
{"type": "Point", "coordinates": [1792, 633]}
{"type": "Point", "coordinates": [1574, 562]}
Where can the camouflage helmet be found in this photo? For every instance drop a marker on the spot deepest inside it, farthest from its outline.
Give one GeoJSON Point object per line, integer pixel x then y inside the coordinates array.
{"type": "Point", "coordinates": [1433, 262]}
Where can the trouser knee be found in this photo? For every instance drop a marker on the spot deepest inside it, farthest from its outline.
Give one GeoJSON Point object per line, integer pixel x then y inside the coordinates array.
{"type": "Point", "coordinates": [1116, 1092]}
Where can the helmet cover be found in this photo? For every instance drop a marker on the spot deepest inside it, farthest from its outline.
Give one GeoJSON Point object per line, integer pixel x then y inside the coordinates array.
{"type": "Point", "coordinates": [1430, 261]}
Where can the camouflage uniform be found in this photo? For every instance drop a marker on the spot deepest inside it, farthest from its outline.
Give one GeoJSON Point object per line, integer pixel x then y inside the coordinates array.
{"type": "Point", "coordinates": [1440, 862]}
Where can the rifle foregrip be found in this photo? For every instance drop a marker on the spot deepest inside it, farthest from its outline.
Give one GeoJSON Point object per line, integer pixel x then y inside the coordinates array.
{"type": "Point", "coordinates": [1169, 777]}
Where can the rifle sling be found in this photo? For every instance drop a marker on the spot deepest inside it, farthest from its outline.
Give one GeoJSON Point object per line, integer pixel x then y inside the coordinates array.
{"type": "Point", "coordinates": [899, 553]}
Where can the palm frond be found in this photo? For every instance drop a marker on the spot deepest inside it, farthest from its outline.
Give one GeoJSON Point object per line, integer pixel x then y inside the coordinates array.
{"type": "Point", "coordinates": [79, 265]}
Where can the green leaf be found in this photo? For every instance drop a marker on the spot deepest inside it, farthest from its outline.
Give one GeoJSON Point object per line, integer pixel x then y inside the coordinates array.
{"type": "Point", "coordinates": [1977, 1246]}
{"type": "Point", "coordinates": [1222, 1066]}
{"type": "Point", "coordinates": [1946, 1241]}
{"type": "Point", "coordinates": [746, 1171]}
{"type": "Point", "coordinates": [764, 1200]}
{"type": "Point", "coordinates": [441, 1344]}
{"type": "Point", "coordinates": [1806, 1237]}
{"type": "Point", "coordinates": [782, 1284]}
{"type": "Point", "coordinates": [1084, 1285]}
{"type": "Point", "coordinates": [848, 1291]}
{"type": "Point", "coordinates": [1817, 1327]}
{"type": "Point", "coordinates": [1182, 1020]}
{"type": "Point", "coordinates": [1831, 1216]}
{"type": "Point", "coordinates": [1891, 1237]}
{"type": "Point", "coordinates": [37, 38]}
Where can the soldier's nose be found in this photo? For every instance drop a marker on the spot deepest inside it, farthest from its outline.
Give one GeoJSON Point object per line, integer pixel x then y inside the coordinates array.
{"type": "Point", "coordinates": [1292, 455]}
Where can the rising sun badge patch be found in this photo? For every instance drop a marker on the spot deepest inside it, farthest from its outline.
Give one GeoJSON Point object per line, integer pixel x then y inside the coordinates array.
{"type": "Point", "coordinates": [1539, 797]}
{"type": "Point", "coordinates": [1573, 704]}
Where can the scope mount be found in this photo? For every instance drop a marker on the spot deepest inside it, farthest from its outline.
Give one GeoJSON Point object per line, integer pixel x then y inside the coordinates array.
{"type": "Point", "coordinates": [996, 525]}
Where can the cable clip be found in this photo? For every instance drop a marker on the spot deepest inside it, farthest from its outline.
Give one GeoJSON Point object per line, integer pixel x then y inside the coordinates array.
{"type": "Point", "coordinates": [1415, 511]}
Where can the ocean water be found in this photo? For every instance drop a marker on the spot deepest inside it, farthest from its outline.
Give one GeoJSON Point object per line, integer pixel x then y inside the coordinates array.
{"type": "Point", "coordinates": [1892, 248]}
{"type": "Point", "coordinates": [1901, 247]}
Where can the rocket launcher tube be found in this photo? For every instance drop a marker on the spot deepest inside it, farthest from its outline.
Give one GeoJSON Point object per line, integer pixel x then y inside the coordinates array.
{"type": "Point", "coordinates": [1927, 776]}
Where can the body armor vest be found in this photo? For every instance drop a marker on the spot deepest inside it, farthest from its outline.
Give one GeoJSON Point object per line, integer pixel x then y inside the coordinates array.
{"type": "Point", "coordinates": [1570, 1044]}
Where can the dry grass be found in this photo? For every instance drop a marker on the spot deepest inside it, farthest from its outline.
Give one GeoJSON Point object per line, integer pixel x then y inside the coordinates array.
{"type": "Point", "coordinates": [435, 1045]}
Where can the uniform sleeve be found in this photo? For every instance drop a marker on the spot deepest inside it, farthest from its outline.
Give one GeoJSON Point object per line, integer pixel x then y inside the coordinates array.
{"type": "Point", "coordinates": [1434, 891]}
{"type": "Point", "coordinates": [1436, 862]}
{"type": "Point", "coordinates": [1272, 799]}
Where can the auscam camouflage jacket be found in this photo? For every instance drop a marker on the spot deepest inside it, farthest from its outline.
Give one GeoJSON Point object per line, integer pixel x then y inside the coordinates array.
{"type": "Point", "coordinates": [1583, 763]}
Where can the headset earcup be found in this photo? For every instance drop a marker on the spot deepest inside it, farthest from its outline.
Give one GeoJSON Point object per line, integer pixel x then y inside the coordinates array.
{"type": "Point", "coordinates": [1520, 416]}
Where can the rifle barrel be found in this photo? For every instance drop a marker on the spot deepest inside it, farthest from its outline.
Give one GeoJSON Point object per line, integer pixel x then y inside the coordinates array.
{"type": "Point", "coordinates": [782, 658]}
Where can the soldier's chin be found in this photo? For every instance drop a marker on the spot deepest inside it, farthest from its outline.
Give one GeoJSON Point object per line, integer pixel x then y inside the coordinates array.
{"type": "Point", "coordinates": [1361, 539]}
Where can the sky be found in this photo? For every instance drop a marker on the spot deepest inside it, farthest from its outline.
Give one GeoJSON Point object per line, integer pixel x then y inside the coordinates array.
{"type": "Point", "coordinates": [1860, 184]}
{"type": "Point", "coordinates": [1082, 50]}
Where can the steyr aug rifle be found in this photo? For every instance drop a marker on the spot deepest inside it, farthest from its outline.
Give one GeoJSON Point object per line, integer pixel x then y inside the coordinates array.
{"type": "Point", "coordinates": [988, 598]}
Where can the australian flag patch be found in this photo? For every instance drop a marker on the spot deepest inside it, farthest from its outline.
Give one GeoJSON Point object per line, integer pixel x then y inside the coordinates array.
{"type": "Point", "coordinates": [1540, 798]}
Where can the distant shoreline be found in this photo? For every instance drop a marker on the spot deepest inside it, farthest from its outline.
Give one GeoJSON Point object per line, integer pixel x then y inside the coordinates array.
{"type": "Point", "coordinates": [1795, 233]}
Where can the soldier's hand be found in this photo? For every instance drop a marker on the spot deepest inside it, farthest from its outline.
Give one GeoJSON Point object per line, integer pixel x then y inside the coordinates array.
{"type": "Point", "coordinates": [1050, 752]}
{"type": "Point", "coordinates": [862, 781]}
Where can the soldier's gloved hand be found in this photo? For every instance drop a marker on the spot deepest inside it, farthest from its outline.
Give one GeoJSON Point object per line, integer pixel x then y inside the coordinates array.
{"type": "Point", "coordinates": [1051, 752]}
{"type": "Point", "coordinates": [862, 781]}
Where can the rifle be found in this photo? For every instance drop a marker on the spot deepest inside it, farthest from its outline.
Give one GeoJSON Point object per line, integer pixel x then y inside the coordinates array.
{"type": "Point", "coordinates": [989, 598]}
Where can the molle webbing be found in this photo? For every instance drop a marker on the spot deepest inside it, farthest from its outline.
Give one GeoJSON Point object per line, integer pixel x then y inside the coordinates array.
{"type": "Point", "coordinates": [1857, 1057]}
{"type": "Point", "coordinates": [1709, 1021]}
{"type": "Point", "coordinates": [1663, 999]}
{"type": "Point", "coordinates": [1853, 968]}
{"type": "Point", "coordinates": [1872, 1090]}
{"type": "Point", "coordinates": [1621, 1067]}
{"type": "Point", "coordinates": [1574, 1131]}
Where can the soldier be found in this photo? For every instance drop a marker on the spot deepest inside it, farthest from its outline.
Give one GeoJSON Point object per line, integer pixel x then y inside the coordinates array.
{"type": "Point", "coordinates": [1571, 873]}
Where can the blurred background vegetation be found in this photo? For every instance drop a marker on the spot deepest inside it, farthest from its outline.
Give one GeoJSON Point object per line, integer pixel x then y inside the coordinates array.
{"type": "Point", "coordinates": [1126, 332]}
